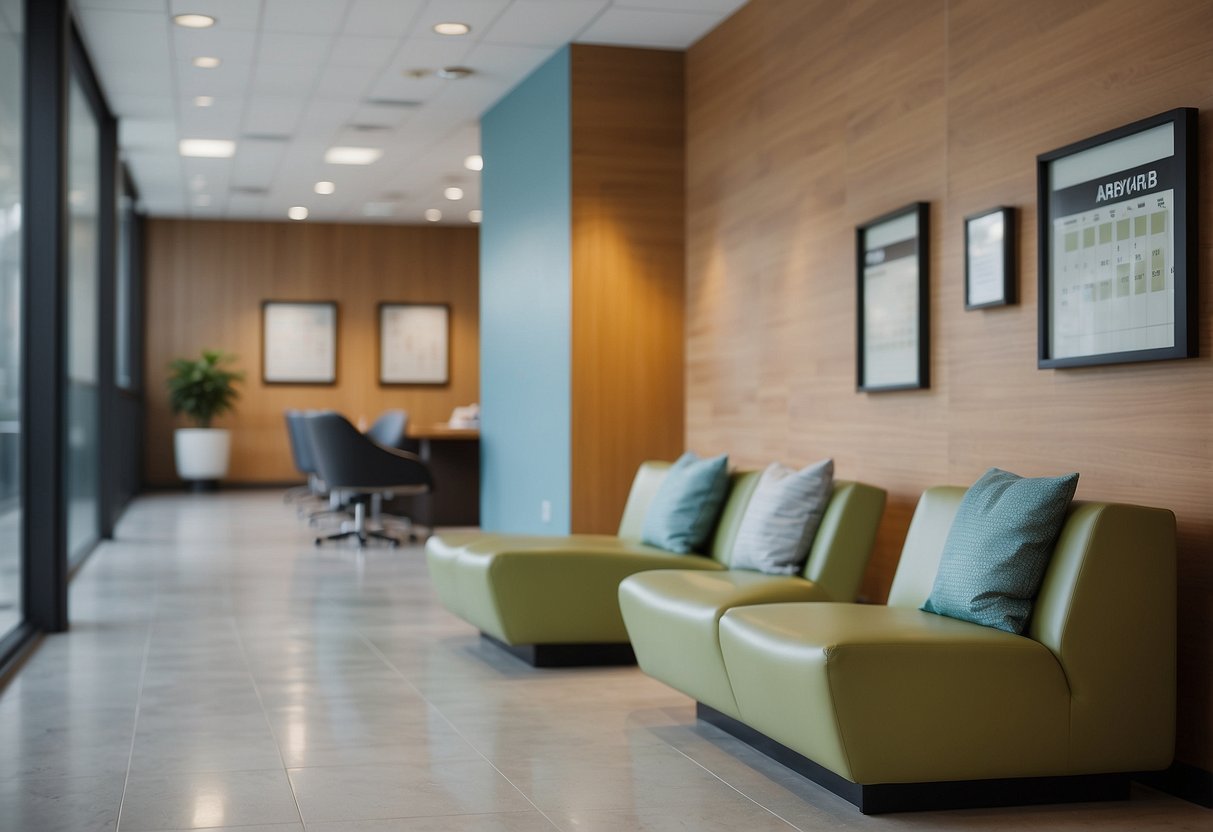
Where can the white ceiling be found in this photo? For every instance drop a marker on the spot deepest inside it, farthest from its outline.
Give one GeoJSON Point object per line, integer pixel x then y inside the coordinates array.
{"type": "Point", "coordinates": [299, 76]}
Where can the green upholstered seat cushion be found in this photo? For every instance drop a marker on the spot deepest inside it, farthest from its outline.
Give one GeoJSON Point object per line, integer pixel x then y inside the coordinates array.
{"type": "Point", "coordinates": [782, 518]}
{"type": "Point", "coordinates": [998, 548]}
{"type": "Point", "coordinates": [685, 508]}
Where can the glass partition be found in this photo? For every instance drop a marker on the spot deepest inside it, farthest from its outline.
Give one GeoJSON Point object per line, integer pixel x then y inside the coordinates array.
{"type": "Point", "coordinates": [83, 400]}
{"type": "Point", "coordinates": [11, 76]}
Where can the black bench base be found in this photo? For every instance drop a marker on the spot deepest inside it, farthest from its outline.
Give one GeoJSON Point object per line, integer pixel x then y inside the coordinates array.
{"type": "Point", "coordinates": [567, 655]}
{"type": "Point", "coordinates": [916, 797]}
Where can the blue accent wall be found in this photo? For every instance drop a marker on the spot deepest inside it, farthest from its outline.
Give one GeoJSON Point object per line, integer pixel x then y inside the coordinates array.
{"type": "Point", "coordinates": [525, 304]}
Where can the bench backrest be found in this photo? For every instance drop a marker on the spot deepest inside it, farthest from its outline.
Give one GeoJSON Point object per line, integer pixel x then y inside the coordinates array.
{"type": "Point", "coordinates": [1106, 610]}
{"type": "Point", "coordinates": [840, 550]}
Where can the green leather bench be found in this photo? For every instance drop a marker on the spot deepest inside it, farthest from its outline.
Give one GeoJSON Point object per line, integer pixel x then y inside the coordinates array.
{"type": "Point", "coordinates": [553, 601]}
{"type": "Point", "coordinates": [895, 708]}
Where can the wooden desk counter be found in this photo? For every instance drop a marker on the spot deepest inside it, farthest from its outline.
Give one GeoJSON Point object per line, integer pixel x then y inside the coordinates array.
{"type": "Point", "coordinates": [453, 456]}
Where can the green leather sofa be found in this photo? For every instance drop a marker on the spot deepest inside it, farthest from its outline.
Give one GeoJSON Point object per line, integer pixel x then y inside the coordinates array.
{"type": "Point", "coordinates": [554, 600]}
{"type": "Point", "coordinates": [895, 708]}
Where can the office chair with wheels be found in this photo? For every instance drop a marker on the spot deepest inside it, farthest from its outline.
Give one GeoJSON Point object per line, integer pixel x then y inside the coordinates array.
{"type": "Point", "coordinates": [363, 469]}
{"type": "Point", "coordinates": [388, 430]}
{"type": "Point", "coordinates": [301, 454]}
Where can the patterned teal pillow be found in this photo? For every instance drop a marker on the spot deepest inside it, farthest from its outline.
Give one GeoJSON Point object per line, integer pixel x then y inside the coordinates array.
{"type": "Point", "coordinates": [998, 548]}
{"type": "Point", "coordinates": [686, 505]}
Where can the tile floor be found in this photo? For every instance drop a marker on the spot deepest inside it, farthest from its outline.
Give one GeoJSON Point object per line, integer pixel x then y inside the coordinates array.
{"type": "Point", "coordinates": [223, 673]}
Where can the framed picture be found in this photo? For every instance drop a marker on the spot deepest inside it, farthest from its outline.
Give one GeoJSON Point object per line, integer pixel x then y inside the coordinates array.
{"type": "Point", "coordinates": [990, 258]}
{"type": "Point", "coordinates": [891, 252]}
{"type": "Point", "coordinates": [414, 343]}
{"type": "Point", "coordinates": [299, 342]}
{"type": "Point", "coordinates": [1118, 271]}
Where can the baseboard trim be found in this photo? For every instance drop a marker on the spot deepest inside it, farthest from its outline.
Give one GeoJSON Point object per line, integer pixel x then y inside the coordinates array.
{"type": "Point", "coordinates": [1182, 780]}
{"type": "Point", "coordinates": [567, 655]}
{"type": "Point", "coordinates": [916, 797]}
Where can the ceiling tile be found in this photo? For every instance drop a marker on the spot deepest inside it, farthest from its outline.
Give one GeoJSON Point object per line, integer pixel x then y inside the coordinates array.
{"type": "Point", "coordinates": [123, 5]}
{"type": "Point", "coordinates": [479, 14]}
{"type": "Point", "coordinates": [383, 18]}
{"type": "Point", "coordinates": [267, 115]}
{"type": "Point", "coordinates": [228, 80]}
{"type": "Point", "coordinates": [284, 48]}
{"type": "Point", "coordinates": [542, 22]}
{"type": "Point", "coordinates": [316, 16]}
{"type": "Point", "coordinates": [228, 45]}
{"type": "Point", "coordinates": [656, 29]}
{"type": "Point", "coordinates": [284, 79]}
{"type": "Point", "coordinates": [230, 14]}
{"type": "Point", "coordinates": [359, 51]}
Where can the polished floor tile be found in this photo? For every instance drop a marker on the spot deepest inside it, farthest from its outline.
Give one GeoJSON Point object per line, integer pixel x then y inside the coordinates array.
{"type": "Point", "coordinates": [224, 674]}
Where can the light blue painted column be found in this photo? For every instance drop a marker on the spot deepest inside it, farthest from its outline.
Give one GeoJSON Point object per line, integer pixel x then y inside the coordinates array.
{"type": "Point", "coordinates": [525, 305]}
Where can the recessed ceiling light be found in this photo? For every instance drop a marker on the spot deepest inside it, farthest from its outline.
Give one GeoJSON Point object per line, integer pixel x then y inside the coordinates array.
{"type": "Point", "coordinates": [352, 155]}
{"type": "Point", "coordinates": [454, 73]}
{"type": "Point", "coordinates": [203, 101]}
{"type": "Point", "coordinates": [452, 193]}
{"type": "Point", "coordinates": [433, 214]}
{"type": "Point", "coordinates": [206, 62]}
{"type": "Point", "coordinates": [208, 148]}
{"type": "Point", "coordinates": [297, 212]}
{"type": "Point", "coordinates": [452, 28]}
{"type": "Point", "coordinates": [194, 21]}
{"type": "Point", "coordinates": [475, 215]}
{"type": "Point", "coordinates": [324, 187]}
{"type": "Point", "coordinates": [474, 162]}
{"type": "Point", "coordinates": [202, 200]}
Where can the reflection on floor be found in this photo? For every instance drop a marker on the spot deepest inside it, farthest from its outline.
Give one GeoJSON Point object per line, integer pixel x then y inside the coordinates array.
{"type": "Point", "coordinates": [222, 672]}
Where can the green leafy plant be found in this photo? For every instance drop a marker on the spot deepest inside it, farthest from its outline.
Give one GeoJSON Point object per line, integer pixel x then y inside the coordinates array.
{"type": "Point", "coordinates": [202, 388]}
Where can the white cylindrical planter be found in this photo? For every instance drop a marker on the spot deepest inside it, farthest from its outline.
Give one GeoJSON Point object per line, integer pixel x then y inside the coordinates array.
{"type": "Point", "coordinates": [202, 453]}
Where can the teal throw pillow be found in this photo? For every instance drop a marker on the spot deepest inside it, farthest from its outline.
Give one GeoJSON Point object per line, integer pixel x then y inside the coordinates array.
{"type": "Point", "coordinates": [999, 547]}
{"type": "Point", "coordinates": [687, 503]}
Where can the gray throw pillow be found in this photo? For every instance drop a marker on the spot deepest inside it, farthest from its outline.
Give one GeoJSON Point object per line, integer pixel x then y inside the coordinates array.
{"type": "Point", "coordinates": [779, 524]}
{"type": "Point", "coordinates": [998, 548]}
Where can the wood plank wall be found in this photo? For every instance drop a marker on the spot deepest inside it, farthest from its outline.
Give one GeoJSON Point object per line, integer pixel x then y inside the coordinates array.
{"type": "Point", "coordinates": [807, 117]}
{"type": "Point", "coordinates": [205, 284]}
{"type": "Point", "coordinates": [627, 265]}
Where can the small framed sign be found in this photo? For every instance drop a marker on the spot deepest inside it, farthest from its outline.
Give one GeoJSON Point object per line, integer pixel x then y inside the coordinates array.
{"type": "Point", "coordinates": [990, 258]}
{"type": "Point", "coordinates": [892, 315]}
{"type": "Point", "coordinates": [414, 343]}
{"type": "Point", "coordinates": [299, 342]}
{"type": "Point", "coordinates": [1118, 260]}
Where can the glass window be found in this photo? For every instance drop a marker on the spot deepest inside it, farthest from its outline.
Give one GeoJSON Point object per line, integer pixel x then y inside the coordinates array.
{"type": "Point", "coordinates": [123, 375]}
{"type": "Point", "coordinates": [11, 75]}
{"type": "Point", "coordinates": [83, 399]}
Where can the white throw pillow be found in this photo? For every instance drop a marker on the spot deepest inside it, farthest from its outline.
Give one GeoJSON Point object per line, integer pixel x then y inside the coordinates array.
{"type": "Point", "coordinates": [779, 524]}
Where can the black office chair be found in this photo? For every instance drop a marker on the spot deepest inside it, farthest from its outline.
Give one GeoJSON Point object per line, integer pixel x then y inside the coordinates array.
{"type": "Point", "coordinates": [301, 454]}
{"type": "Point", "coordinates": [352, 462]}
{"type": "Point", "coordinates": [388, 429]}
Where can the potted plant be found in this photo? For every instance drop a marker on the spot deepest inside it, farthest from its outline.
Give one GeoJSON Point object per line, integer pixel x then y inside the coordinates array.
{"type": "Point", "coordinates": [202, 389]}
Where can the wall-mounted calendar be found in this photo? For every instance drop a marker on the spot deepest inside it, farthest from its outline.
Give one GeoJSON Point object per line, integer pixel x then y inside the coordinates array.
{"type": "Point", "coordinates": [1117, 245]}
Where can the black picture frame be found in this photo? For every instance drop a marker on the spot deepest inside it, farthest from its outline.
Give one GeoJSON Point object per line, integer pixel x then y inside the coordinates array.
{"type": "Point", "coordinates": [386, 379]}
{"type": "Point", "coordinates": [1004, 257]}
{"type": "Point", "coordinates": [323, 376]}
{"type": "Point", "coordinates": [915, 355]}
{"type": "Point", "coordinates": [1125, 193]}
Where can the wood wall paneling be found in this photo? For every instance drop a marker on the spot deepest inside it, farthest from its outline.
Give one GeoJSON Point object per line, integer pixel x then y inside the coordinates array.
{"type": "Point", "coordinates": [627, 272]}
{"type": "Point", "coordinates": [807, 117]}
{"type": "Point", "coordinates": [205, 284]}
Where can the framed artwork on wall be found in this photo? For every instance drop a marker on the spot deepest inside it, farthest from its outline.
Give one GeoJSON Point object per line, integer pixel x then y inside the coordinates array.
{"type": "Point", "coordinates": [1117, 231]}
{"type": "Point", "coordinates": [299, 342]}
{"type": "Point", "coordinates": [892, 310]}
{"type": "Point", "coordinates": [990, 258]}
{"type": "Point", "coordinates": [414, 343]}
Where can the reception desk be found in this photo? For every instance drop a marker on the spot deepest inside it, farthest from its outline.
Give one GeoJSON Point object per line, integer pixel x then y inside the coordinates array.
{"type": "Point", "coordinates": [453, 456]}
